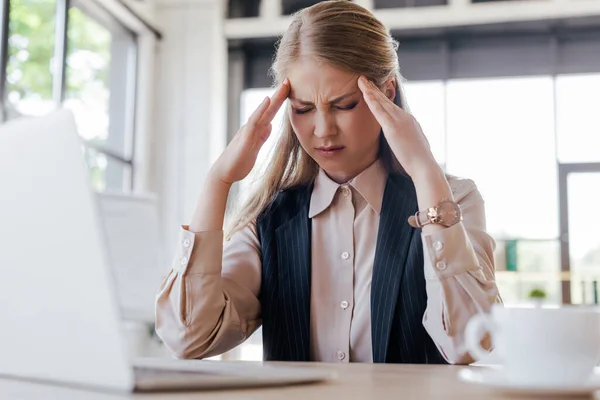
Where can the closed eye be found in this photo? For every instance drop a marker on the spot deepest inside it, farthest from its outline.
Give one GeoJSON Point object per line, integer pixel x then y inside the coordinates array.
{"type": "Point", "coordinates": [302, 110]}
{"type": "Point", "coordinates": [348, 107]}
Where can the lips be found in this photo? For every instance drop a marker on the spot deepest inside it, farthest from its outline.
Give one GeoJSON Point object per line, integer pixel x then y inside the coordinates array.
{"type": "Point", "coordinates": [330, 148]}
{"type": "Point", "coordinates": [329, 151]}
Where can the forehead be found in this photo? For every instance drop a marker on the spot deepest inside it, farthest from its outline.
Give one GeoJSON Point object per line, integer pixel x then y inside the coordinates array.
{"type": "Point", "coordinates": [310, 79]}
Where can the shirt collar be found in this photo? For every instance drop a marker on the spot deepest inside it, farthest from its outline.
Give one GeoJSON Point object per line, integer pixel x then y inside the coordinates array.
{"type": "Point", "coordinates": [370, 184]}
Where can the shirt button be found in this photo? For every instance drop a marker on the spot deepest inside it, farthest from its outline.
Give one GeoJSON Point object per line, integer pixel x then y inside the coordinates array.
{"type": "Point", "coordinates": [344, 304]}
{"type": "Point", "coordinates": [341, 355]}
{"type": "Point", "coordinates": [345, 255]}
{"type": "Point", "coordinates": [441, 265]}
{"type": "Point", "coordinates": [438, 245]}
{"type": "Point", "coordinates": [184, 261]}
{"type": "Point", "coordinates": [346, 191]}
{"type": "Point", "coordinates": [187, 243]}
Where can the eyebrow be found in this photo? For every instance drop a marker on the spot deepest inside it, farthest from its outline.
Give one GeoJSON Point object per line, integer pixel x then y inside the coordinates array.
{"type": "Point", "coordinates": [332, 101]}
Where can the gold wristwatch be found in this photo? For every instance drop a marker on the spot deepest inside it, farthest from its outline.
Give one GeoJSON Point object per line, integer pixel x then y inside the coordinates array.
{"type": "Point", "coordinates": [446, 213]}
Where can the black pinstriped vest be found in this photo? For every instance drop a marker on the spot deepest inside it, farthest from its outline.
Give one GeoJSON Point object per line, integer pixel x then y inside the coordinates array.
{"type": "Point", "coordinates": [398, 297]}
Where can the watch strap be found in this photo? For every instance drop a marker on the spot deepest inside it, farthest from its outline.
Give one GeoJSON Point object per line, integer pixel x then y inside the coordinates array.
{"type": "Point", "coordinates": [433, 215]}
{"type": "Point", "coordinates": [422, 218]}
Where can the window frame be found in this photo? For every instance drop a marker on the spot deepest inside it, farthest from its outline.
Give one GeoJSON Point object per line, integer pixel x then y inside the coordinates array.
{"type": "Point", "coordinates": [102, 16]}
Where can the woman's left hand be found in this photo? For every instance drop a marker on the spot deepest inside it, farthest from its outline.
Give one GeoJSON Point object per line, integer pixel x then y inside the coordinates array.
{"type": "Point", "coordinates": [402, 131]}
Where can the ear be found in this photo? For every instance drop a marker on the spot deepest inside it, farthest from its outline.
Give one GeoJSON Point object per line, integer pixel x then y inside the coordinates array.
{"type": "Point", "coordinates": [390, 89]}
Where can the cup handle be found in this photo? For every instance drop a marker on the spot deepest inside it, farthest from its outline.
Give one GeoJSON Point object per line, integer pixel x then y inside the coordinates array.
{"type": "Point", "coordinates": [476, 328]}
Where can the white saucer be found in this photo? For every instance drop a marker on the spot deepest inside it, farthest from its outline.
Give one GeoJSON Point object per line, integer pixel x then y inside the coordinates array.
{"type": "Point", "coordinates": [495, 379]}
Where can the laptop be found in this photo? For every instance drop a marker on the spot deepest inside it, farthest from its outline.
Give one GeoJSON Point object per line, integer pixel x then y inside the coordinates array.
{"type": "Point", "coordinates": [59, 314]}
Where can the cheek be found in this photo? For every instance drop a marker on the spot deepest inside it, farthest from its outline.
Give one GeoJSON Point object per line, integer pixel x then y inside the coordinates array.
{"type": "Point", "coordinates": [302, 125]}
{"type": "Point", "coordinates": [359, 125]}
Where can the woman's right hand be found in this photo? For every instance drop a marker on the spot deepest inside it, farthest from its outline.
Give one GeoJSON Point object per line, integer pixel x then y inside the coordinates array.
{"type": "Point", "coordinates": [238, 159]}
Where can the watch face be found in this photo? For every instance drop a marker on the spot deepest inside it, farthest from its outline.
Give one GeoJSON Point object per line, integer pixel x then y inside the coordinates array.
{"type": "Point", "coordinates": [449, 213]}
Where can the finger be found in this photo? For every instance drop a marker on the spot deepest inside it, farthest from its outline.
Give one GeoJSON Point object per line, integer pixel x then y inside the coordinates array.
{"type": "Point", "coordinates": [363, 85]}
{"type": "Point", "coordinates": [381, 115]}
{"type": "Point", "coordinates": [374, 104]}
{"type": "Point", "coordinates": [261, 133]}
{"type": "Point", "coordinates": [281, 94]}
{"type": "Point", "coordinates": [385, 101]}
{"type": "Point", "coordinates": [371, 97]}
{"type": "Point", "coordinates": [266, 133]}
{"type": "Point", "coordinates": [259, 113]}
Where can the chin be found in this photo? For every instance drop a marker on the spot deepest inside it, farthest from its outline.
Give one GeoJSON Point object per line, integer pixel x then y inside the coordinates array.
{"type": "Point", "coordinates": [331, 163]}
{"type": "Point", "coordinates": [335, 166]}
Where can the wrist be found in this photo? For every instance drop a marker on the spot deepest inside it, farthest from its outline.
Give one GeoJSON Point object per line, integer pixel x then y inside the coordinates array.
{"type": "Point", "coordinates": [428, 174]}
{"type": "Point", "coordinates": [431, 187]}
{"type": "Point", "coordinates": [214, 181]}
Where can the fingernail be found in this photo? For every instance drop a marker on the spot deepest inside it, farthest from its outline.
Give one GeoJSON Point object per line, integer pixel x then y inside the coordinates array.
{"type": "Point", "coordinates": [286, 81]}
{"type": "Point", "coordinates": [265, 101]}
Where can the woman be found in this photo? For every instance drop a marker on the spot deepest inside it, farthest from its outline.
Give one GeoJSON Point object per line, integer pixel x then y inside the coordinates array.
{"type": "Point", "coordinates": [323, 255]}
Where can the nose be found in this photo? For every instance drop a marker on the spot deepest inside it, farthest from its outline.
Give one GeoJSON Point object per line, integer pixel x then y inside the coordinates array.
{"type": "Point", "coordinates": [324, 125]}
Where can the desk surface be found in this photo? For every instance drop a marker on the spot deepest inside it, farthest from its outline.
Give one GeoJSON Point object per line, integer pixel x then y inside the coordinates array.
{"type": "Point", "coordinates": [355, 381]}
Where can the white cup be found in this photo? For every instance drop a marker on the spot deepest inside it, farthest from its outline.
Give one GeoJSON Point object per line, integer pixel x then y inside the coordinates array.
{"type": "Point", "coordinates": [547, 346]}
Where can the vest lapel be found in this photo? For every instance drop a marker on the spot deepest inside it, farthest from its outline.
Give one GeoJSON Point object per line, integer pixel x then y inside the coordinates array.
{"type": "Point", "coordinates": [393, 242]}
{"type": "Point", "coordinates": [293, 256]}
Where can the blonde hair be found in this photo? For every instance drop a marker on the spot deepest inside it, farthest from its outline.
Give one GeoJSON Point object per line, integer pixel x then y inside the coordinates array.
{"type": "Point", "coordinates": [346, 36]}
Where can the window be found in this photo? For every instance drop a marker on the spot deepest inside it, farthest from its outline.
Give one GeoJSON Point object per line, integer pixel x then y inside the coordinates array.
{"type": "Point", "coordinates": [29, 72]}
{"type": "Point", "coordinates": [501, 135]}
{"type": "Point", "coordinates": [108, 173]}
{"type": "Point", "coordinates": [578, 122]}
{"type": "Point", "coordinates": [584, 241]}
{"type": "Point", "coordinates": [535, 264]}
{"type": "Point", "coordinates": [99, 70]}
{"type": "Point", "coordinates": [100, 84]}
